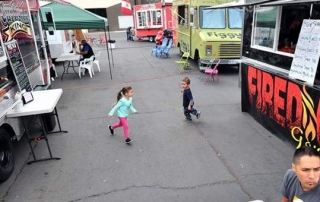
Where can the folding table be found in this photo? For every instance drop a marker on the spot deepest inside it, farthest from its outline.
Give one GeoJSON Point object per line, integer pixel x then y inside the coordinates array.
{"type": "Point", "coordinates": [44, 102]}
{"type": "Point", "coordinates": [70, 58]}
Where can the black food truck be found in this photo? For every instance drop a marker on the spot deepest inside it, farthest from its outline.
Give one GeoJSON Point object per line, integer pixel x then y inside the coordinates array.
{"type": "Point", "coordinates": [280, 77]}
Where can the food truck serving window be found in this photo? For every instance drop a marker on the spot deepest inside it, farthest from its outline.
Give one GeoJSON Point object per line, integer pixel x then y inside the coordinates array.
{"type": "Point", "coordinates": [264, 27]}
{"type": "Point", "coordinates": [142, 19]}
{"type": "Point", "coordinates": [277, 28]}
{"type": "Point", "coordinates": [149, 18]}
{"type": "Point", "coordinates": [156, 17]}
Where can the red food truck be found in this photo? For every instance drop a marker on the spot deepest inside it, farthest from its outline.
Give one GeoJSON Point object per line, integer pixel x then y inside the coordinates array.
{"type": "Point", "coordinates": [149, 19]}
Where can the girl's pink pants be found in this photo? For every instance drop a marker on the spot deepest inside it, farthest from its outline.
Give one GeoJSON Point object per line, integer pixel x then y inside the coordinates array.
{"type": "Point", "coordinates": [124, 123]}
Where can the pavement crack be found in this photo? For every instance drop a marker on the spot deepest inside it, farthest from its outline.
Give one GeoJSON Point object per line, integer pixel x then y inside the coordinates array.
{"type": "Point", "coordinates": [155, 187]}
{"type": "Point", "coordinates": [255, 174]}
{"type": "Point", "coordinates": [225, 163]}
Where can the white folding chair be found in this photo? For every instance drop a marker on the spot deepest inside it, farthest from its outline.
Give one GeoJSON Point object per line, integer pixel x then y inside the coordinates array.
{"type": "Point", "coordinates": [96, 60]}
{"type": "Point", "coordinates": [86, 64]}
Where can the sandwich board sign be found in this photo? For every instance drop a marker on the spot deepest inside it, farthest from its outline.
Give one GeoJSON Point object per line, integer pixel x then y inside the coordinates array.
{"type": "Point", "coordinates": [306, 57]}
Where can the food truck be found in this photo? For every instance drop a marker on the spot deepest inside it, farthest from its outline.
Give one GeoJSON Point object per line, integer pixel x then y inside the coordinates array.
{"type": "Point", "coordinates": [149, 19]}
{"type": "Point", "coordinates": [23, 66]}
{"type": "Point", "coordinates": [208, 33]}
{"type": "Point", "coordinates": [280, 78]}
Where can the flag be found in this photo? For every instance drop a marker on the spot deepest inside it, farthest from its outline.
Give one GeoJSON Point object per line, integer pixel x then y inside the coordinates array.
{"type": "Point", "coordinates": [126, 7]}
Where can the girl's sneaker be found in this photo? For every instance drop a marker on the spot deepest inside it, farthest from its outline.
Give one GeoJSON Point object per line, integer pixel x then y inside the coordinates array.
{"type": "Point", "coordinates": [128, 141]}
{"type": "Point", "coordinates": [111, 130]}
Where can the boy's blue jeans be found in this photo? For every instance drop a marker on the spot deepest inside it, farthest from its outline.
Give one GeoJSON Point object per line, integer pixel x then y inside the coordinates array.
{"type": "Point", "coordinates": [188, 113]}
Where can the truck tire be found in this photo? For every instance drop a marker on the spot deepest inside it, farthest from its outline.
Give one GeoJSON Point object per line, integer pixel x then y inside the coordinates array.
{"type": "Point", "coordinates": [199, 64]}
{"type": "Point", "coordinates": [151, 39]}
{"type": "Point", "coordinates": [180, 52]}
{"type": "Point", "coordinates": [6, 155]}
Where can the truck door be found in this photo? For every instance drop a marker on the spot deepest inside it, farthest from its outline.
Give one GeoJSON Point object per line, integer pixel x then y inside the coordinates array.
{"type": "Point", "coordinates": [184, 31]}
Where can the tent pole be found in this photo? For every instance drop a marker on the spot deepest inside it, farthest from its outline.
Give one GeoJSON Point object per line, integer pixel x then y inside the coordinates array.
{"type": "Point", "coordinates": [110, 45]}
{"type": "Point", "coordinates": [105, 33]}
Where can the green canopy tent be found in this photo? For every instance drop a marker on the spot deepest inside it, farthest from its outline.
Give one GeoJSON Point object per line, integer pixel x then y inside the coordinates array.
{"type": "Point", "coordinates": [67, 17]}
{"type": "Point", "coordinates": [71, 17]}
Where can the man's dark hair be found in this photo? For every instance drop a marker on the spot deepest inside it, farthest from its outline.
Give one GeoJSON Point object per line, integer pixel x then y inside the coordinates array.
{"type": "Point", "coordinates": [304, 151]}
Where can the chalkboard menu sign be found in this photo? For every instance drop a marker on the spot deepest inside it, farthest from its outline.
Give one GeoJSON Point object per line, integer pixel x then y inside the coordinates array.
{"type": "Point", "coordinates": [18, 67]}
{"type": "Point", "coordinates": [305, 62]}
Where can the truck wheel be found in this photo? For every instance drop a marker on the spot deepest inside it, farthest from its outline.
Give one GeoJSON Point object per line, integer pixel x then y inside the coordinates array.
{"type": "Point", "coordinates": [6, 156]}
{"type": "Point", "coordinates": [180, 52]}
{"type": "Point", "coordinates": [199, 65]}
{"type": "Point", "coordinates": [151, 39]}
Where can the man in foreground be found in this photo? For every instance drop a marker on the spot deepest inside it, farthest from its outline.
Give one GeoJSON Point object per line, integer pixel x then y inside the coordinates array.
{"type": "Point", "coordinates": [301, 183]}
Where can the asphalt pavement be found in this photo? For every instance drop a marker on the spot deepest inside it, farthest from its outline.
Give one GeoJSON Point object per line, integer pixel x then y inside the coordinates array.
{"type": "Point", "coordinates": [225, 156]}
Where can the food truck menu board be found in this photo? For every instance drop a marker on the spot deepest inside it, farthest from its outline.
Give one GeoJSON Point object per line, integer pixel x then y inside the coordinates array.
{"type": "Point", "coordinates": [17, 65]}
{"type": "Point", "coordinates": [305, 62]}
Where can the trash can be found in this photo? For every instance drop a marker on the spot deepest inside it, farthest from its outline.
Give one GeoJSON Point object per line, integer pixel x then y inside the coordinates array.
{"type": "Point", "coordinates": [48, 118]}
{"type": "Point", "coordinates": [112, 44]}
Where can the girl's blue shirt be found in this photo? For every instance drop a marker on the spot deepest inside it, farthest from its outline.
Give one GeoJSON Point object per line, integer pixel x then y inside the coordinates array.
{"type": "Point", "coordinates": [122, 107]}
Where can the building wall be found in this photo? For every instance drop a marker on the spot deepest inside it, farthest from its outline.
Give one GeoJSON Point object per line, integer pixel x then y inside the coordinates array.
{"type": "Point", "coordinates": [114, 11]}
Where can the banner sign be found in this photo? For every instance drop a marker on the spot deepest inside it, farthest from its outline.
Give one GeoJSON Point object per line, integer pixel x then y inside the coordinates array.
{"type": "Point", "coordinates": [15, 24]}
{"type": "Point", "coordinates": [14, 20]}
{"type": "Point", "coordinates": [286, 108]}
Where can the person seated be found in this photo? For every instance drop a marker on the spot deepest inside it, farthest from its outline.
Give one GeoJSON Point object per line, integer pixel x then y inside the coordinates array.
{"type": "Point", "coordinates": [86, 50]}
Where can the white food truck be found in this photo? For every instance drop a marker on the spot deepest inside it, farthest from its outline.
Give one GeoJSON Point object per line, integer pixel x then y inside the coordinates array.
{"type": "Point", "coordinates": [23, 69]}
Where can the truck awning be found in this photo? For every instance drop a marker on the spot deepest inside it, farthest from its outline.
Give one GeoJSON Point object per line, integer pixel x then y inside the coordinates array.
{"type": "Point", "coordinates": [288, 2]}
{"type": "Point", "coordinates": [239, 3]}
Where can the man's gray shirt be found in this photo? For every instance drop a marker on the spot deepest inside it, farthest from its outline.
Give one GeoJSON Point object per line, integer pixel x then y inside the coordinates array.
{"type": "Point", "coordinates": [292, 190]}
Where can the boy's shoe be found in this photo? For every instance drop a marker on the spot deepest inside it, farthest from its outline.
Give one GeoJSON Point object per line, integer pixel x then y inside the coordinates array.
{"type": "Point", "coordinates": [198, 115]}
{"type": "Point", "coordinates": [187, 120]}
{"type": "Point", "coordinates": [111, 130]}
{"type": "Point", "coordinates": [128, 141]}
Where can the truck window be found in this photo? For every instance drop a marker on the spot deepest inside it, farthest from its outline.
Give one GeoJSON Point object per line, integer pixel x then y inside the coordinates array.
{"type": "Point", "coordinates": [212, 18]}
{"type": "Point", "coordinates": [289, 25]}
{"type": "Point", "coordinates": [6, 73]}
{"type": "Point", "coordinates": [264, 26]}
{"type": "Point", "coordinates": [235, 18]}
{"type": "Point", "coordinates": [182, 15]}
{"type": "Point", "coordinates": [291, 21]}
{"type": "Point", "coordinates": [142, 19]}
{"type": "Point", "coordinates": [156, 17]}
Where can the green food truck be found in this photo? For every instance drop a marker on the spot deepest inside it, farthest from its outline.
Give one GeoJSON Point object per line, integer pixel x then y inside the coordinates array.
{"type": "Point", "coordinates": [208, 33]}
